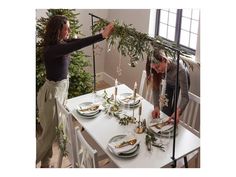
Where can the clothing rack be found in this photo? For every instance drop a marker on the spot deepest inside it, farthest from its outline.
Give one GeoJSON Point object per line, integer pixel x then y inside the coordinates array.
{"type": "Point", "coordinates": [176, 86]}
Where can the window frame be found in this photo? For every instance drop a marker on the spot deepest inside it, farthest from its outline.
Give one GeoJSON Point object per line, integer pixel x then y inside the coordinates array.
{"type": "Point", "coordinates": [177, 31]}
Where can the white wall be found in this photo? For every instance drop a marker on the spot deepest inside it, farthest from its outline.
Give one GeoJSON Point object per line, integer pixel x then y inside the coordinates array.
{"type": "Point", "coordinates": [85, 20]}
{"type": "Point", "coordinates": [140, 20]}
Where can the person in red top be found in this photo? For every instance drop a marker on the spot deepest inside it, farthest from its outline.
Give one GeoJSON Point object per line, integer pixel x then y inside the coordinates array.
{"type": "Point", "coordinates": [56, 53]}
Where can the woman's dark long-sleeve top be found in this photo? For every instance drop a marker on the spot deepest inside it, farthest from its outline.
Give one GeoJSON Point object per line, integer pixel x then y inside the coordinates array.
{"type": "Point", "coordinates": [171, 78]}
{"type": "Point", "coordinates": [57, 58]}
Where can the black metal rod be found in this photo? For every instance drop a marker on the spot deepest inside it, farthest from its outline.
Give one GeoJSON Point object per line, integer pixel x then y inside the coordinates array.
{"type": "Point", "coordinates": [175, 109]}
{"type": "Point", "coordinates": [96, 16]}
{"type": "Point", "coordinates": [94, 63]}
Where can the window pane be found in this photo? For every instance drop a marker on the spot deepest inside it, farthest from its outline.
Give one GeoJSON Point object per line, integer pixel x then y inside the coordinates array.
{"type": "Point", "coordinates": [185, 23]}
{"type": "Point", "coordinates": [164, 17]}
{"type": "Point", "coordinates": [184, 38]}
{"type": "Point", "coordinates": [187, 13]}
{"type": "Point", "coordinates": [196, 13]}
{"type": "Point", "coordinates": [171, 33]}
{"type": "Point", "coordinates": [172, 19]}
{"type": "Point", "coordinates": [194, 26]}
{"type": "Point", "coordinates": [163, 30]}
{"type": "Point", "coordinates": [193, 41]}
{"type": "Point", "coordinates": [173, 10]}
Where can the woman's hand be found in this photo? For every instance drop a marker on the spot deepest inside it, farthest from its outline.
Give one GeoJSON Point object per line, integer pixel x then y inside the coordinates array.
{"type": "Point", "coordinates": [177, 116]}
{"type": "Point", "coordinates": [108, 30]}
{"type": "Point", "coordinates": [156, 113]}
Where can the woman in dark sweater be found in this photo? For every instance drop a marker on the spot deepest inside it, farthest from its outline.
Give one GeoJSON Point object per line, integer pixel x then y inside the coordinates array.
{"type": "Point", "coordinates": [57, 49]}
{"type": "Point", "coordinates": [168, 67]}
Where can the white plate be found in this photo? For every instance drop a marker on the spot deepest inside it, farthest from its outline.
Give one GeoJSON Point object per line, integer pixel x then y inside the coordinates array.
{"type": "Point", "coordinates": [127, 154]}
{"type": "Point", "coordinates": [89, 116]}
{"type": "Point", "coordinates": [121, 99]}
{"type": "Point", "coordinates": [84, 106]}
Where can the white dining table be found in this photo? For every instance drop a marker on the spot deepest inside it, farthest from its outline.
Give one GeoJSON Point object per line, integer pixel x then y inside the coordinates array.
{"type": "Point", "coordinates": [103, 127]}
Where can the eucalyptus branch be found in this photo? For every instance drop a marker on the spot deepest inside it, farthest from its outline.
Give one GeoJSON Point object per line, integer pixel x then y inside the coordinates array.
{"type": "Point", "coordinates": [149, 139]}
{"type": "Point", "coordinates": [112, 108]}
{"type": "Point", "coordinates": [137, 45]}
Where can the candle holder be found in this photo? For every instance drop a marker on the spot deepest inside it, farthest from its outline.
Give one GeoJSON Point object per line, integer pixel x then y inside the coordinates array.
{"type": "Point", "coordinates": [140, 128]}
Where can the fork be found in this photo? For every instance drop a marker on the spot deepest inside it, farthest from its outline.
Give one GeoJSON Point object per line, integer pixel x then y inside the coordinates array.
{"type": "Point", "coordinates": [126, 143]}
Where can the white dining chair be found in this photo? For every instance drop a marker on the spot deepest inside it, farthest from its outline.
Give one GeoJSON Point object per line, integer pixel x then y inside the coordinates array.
{"type": "Point", "coordinates": [65, 120]}
{"type": "Point", "coordinates": [86, 155]}
{"type": "Point", "coordinates": [189, 119]}
{"type": "Point", "coordinates": [148, 94]}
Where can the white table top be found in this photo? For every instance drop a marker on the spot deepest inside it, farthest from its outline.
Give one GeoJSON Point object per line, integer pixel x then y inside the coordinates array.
{"type": "Point", "coordinates": [103, 128]}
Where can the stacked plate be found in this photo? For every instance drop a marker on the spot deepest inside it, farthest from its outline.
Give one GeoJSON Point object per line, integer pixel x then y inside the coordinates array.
{"type": "Point", "coordinates": [124, 146]}
{"type": "Point", "coordinates": [88, 110]}
{"type": "Point", "coordinates": [127, 100]}
{"type": "Point", "coordinates": [162, 127]}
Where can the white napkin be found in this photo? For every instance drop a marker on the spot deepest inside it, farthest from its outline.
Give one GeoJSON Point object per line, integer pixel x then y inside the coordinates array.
{"type": "Point", "coordinates": [79, 108]}
{"type": "Point", "coordinates": [158, 121]}
{"type": "Point", "coordinates": [163, 129]}
{"type": "Point", "coordinates": [112, 145]}
{"type": "Point", "coordinates": [129, 100]}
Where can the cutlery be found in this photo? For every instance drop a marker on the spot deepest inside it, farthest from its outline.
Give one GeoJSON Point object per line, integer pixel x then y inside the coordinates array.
{"type": "Point", "coordinates": [91, 108]}
{"type": "Point", "coordinates": [160, 125]}
{"type": "Point", "coordinates": [126, 143]}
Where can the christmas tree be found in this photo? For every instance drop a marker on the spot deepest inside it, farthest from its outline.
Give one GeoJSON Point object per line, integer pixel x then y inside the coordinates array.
{"type": "Point", "coordinates": [80, 80]}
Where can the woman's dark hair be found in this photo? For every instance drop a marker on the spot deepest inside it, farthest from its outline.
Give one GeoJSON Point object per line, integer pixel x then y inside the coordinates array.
{"type": "Point", "coordinates": [156, 76]}
{"type": "Point", "coordinates": [54, 25]}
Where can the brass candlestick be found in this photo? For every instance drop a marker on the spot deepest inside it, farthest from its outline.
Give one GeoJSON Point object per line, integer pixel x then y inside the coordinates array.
{"type": "Point", "coordinates": [140, 128]}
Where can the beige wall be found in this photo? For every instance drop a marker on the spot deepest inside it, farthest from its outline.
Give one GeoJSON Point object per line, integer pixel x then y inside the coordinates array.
{"type": "Point", "coordinates": [140, 20]}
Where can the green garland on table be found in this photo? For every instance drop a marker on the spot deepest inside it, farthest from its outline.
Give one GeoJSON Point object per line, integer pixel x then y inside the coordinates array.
{"type": "Point", "coordinates": [61, 139]}
{"type": "Point", "coordinates": [136, 45]}
{"type": "Point", "coordinates": [112, 108]}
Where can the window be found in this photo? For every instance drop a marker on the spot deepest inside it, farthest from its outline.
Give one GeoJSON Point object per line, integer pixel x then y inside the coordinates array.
{"type": "Point", "coordinates": [179, 25]}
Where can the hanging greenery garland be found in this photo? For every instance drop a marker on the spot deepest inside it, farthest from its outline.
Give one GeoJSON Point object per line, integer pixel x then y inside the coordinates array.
{"type": "Point", "coordinates": [137, 45]}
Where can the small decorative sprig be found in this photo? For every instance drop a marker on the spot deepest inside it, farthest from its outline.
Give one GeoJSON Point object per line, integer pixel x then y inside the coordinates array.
{"type": "Point", "coordinates": [149, 139]}
{"type": "Point", "coordinates": [61, 139]}
{"type": "Point", "coordinates": [111, 106]}
{"type": "Point", "coordinates": [125, 119]}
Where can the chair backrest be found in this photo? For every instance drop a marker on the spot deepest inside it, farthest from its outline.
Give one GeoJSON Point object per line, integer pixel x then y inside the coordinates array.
{"type": "Point", "coordinates": [148, 94]}
{"type": "Point", "coordinates": [191, 114]}
{"type": "Point", "coordinates": [86, 155]}
{"type": "Point", "coordinates": [65, 120]}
